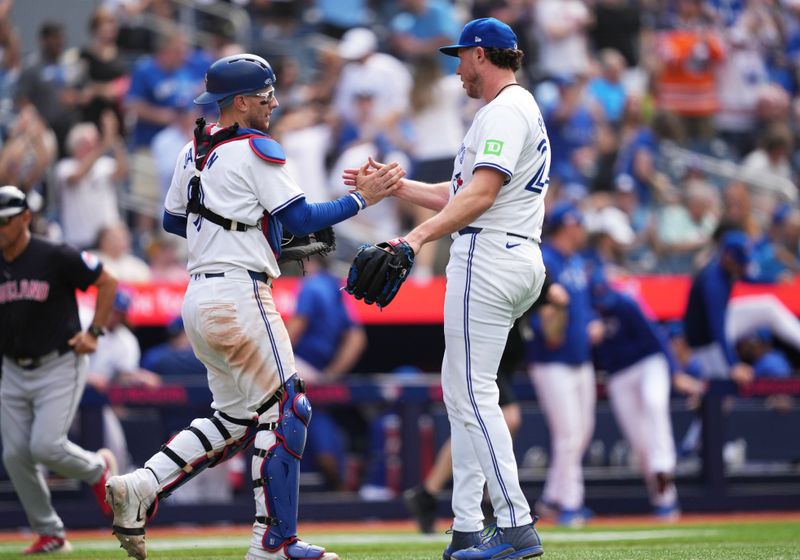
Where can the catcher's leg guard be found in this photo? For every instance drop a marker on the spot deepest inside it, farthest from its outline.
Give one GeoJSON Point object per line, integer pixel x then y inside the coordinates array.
{"type": "Point", "coordinates": [277, 467]}
{"type": "Point", "coordinates": [205, 443]}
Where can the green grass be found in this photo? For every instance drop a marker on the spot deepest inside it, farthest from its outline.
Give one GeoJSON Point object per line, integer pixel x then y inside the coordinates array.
{"type": "Point", "coordinates": [723, 541]}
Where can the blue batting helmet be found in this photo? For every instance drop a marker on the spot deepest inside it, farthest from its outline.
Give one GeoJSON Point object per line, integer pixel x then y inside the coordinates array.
{"type": "Point", "coordinates": [233, 75]}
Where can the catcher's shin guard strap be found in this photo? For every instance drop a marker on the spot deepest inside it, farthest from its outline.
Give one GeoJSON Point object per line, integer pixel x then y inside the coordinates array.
{"type": "Point", "coordinates": [205, 443]}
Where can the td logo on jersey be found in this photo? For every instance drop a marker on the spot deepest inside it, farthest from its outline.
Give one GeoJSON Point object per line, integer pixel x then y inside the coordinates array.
{"type": "Point", "coordinates": [493, 147]}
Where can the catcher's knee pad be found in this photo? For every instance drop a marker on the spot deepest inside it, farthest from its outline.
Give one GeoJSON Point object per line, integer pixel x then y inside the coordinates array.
{"type": "Point", "coordinates": [205, 443]}
{"type": "Point", "coordinates": [278, 483]}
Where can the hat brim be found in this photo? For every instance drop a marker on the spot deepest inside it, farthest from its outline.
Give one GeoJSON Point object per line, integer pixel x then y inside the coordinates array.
{"type": "Point", "coordinates": [206, 98]}
{"type": "Point", "coordinates": [452, 50]}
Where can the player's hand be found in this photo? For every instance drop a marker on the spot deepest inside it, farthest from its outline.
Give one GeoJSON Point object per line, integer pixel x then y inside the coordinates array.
{"type": "Point", "coordinates": [375, 185]}
{"type": "Point", "coordinates": [349, 175]}
{"type": "Point", "coordinates": [742, 374]}
{"type": "Point", "coordinates": [688, 385]}
{"type": "Point", "coordinates": [83, 343]}
{"type": "Point", "coordinates": [596, 332]}
{"type": "Point", "coordinates": [557, 295]}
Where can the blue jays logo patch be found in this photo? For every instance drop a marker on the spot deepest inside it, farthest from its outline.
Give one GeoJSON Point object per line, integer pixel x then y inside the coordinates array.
{"type": "Point", "coordinates": [457, 182]}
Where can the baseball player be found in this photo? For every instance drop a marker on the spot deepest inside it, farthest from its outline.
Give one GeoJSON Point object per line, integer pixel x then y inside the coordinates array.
{"type": "Point", "coordinates": [230, 197]}
{"type": "Point", "coordinates": [706, 310]}
{"type": "Point", "coordinates": [45, 365]}
{"type": "Point", "coordinates": [560, 366]}
{"type": "Point", "coordinates": [493, 207]}
{"type": "Point", "coordinates": [640, 364]}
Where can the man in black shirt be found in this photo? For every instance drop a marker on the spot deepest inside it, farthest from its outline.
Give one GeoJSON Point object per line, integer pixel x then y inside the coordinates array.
{"type": "Point", "coordinates": [44, 365]}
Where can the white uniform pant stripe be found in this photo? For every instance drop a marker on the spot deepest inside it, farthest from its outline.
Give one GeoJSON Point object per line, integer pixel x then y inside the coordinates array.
{"type": "Point", "coordinates": [468, 373]}
{"type": "Point", "coordinates": [488, 287]}
{"type": "Point", "coordinates": [269, 332]}
{"type": "Point", "coordinates": [567, 396]}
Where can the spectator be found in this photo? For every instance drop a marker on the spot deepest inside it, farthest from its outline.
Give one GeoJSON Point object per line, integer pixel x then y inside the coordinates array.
{"type": "Point", "coordinates": [776, 255]}
{"type": "Point", "coordinates": [773, 157]}
{"type": "Point", "coordinates": [572, 125]}
{"type": "Point", "coordinates": [757, 350]}
{"type": "Point", "coordinates": [327, 344]}
{"type": "Point", "coordinates": [685, 228]}
{"type": "Point", "coordinates": [689, 54]}
{"type": "Point", "coordinates": [563, 43]}
{"type": "Point", "coordinates": [337, 16]}
{"type": "Point", "coordinates": [52, 84]}
{"type": "Point", "coordinates": [29, 149]}
{"type": "Point", "coordinates": [10, 63]}
{"type": "Point", "coordinates": [168, 143]}
{"type": "Point", "coordinates": [607, 88]}
{"type": "Point", "coordinates": [87, 180]}
{"type": "Point", "coordinates": [160, 85]}
{"type": "Point", "coordinates": [107, 75]}
{"type": "Point", "coordinates": [367, 69]}
{"type": "Point", "coordinates": [165, 264]}
{"type": "Point", "coordinates": [421, 27]}
{"type": "Point", "coordinates": [742, 77]}
{"type": "Point", "coordinates": [114, 250]}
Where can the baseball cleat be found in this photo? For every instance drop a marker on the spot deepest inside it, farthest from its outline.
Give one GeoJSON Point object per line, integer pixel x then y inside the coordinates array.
{"type": "Point", "coordinates": [130, 502]}
{"type": "Point", "coordinates": [461, 540]}
{"type": "Point", "coordinates": [99, 487]}
{"type": "Point", "coordinates": [298, 550]}
{"type": "Point", "coordinates": [49, 544]}
{"type": "Point", "coordinates": [421, 504]}
{"type": "Point", "coordinates": [505, 543]}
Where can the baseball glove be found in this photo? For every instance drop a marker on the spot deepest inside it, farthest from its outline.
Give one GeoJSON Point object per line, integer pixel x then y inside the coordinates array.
{"type": "Point", "coordinates": [297, 248]}
{"type": "Point", "coordinates": [379, 270]}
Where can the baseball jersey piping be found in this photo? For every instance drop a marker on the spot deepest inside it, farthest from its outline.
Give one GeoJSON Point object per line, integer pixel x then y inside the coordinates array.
{"type": "Point", "coordinates": [493, 166]}
{"type": "Point", "coordinates": [469, 383]}
{"type": "Point", "coordinates": [264, 318]}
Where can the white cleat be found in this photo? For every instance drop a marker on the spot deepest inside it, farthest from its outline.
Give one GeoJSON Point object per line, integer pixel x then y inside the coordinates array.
{"type": "Point", "coordinates": [264, 555]}
{"type": "Point", "coordinates": [130, 505]}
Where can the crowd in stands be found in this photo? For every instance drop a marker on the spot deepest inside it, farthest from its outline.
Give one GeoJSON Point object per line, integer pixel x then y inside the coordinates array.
{"type": "Point", "coordinates": [668, 119]}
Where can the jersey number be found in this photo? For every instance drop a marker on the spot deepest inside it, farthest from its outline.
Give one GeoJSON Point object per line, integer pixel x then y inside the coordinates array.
{"type": "Point", "coordinates": [539, 181]}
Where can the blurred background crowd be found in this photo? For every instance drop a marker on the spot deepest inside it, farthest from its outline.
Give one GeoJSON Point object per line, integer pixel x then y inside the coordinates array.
{"type": "Point", "coordinates": [669, 120]}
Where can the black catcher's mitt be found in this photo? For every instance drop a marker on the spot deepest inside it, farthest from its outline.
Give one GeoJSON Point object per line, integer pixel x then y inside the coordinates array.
{"type": "Point", "coordinates": [298, 248]}
{"type": "Point", "coordinates": [379, 270]}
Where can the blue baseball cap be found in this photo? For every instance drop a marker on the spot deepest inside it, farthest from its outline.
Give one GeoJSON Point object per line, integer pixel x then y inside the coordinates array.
{"type": "Point", "coordinates": [562, 214]}
{"type": "Point", "coordinates": [736, 244]}
{"type": "Point", "coordinates": [483, 32]}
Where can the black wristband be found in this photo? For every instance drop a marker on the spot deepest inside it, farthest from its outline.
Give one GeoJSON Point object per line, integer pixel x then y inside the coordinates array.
{"type": "Point", "coordinates": [96, 331]}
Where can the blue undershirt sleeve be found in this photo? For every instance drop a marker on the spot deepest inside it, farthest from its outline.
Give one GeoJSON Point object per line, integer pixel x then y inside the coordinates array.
{"type": "Point", "coordinates": [174, 224]}
{"type": "Point", "coordinates": [302, 217]}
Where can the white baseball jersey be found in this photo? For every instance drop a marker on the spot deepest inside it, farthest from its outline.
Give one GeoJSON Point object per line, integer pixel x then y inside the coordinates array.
{"type": "Point", "coordinates": [239, 185]}
{"type": "Point", "coordinates": [508, 134]}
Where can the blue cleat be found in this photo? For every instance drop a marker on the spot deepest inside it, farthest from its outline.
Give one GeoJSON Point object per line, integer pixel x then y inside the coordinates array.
{"type": "Point", "coordinates": [460, 541]}
{"type": "Point", "coordinates": [505, 543]}
{"type": "Point", "coordinates": [573, 518]}
{"type": "Point", "coordinates": [667, 514]}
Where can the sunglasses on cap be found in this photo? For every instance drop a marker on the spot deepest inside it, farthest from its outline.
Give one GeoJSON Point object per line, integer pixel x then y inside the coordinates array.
{"type": "Point", "coordinates": [265, 96]}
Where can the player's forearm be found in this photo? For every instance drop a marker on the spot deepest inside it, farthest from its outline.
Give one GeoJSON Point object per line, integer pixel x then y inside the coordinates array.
{"type": "Point", "coordinates": [464, 210]}
{"type": "Point", "coordinates": [106, 290]}
{"type": "Point", "coordinates": [433, 196]}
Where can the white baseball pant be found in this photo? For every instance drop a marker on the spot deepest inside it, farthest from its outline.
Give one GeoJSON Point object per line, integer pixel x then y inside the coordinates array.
{"type": "Point", "coordinates": [639, 396]}
{"type": "Point", "coordinates": [488, 287]}
{"type": "Point", "coordinates": [567, 396]}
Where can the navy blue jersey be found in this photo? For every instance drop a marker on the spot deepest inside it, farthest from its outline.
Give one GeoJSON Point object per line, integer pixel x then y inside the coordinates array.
{"type": "Point", "coordinates": [38, 309]}
{"type": "Point", "coordinates": [629, 336]}
{"type": "Point", "coordinates": [704, 319]}
{"type": "Point", "coordinates": [571, 273]}
{"type": "Point", "coordinates": [320, 302]}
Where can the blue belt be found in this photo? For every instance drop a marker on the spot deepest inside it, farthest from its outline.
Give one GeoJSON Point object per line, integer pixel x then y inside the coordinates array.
{"type": "Point", "coordinates": [472, 229]}
{"type": "Point", "coordinates": [260, 276]}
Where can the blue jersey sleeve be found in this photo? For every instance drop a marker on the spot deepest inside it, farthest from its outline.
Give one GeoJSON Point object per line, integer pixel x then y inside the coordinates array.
{"type": "Point", "coordinates": [174, 224]}
{"type": "Point", "coordinates": [302, 217]}
{"type": "Point", "coordinates": [715, 299]}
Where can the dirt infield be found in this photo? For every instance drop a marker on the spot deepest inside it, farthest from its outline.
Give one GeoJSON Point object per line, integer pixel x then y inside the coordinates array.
{"type": "Point", "coordinates": [356, 527]}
